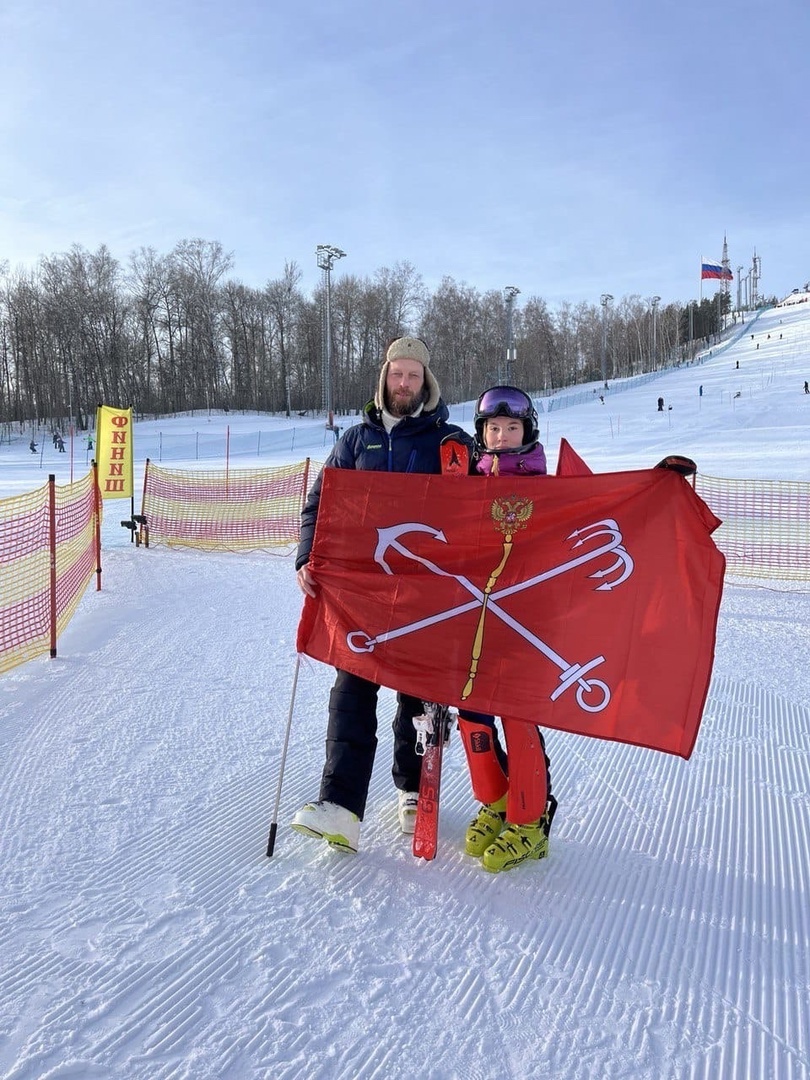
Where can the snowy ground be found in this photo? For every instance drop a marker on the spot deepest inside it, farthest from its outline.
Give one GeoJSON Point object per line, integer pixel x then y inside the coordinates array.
{"type": "Point", "coordinates": [146, 935]}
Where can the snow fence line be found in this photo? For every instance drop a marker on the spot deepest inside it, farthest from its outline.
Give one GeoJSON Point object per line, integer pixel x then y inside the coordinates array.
{"type": "Point", "coordinates": [50, 544]}
{"type": "Point", "coordinates": [50, 548]}
{"type": "Point", "coordinates": [224, 509]}
{"type": "Point", "coordinates": [765, 531]}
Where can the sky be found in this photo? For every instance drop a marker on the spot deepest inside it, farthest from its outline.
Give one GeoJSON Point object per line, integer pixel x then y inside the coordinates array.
{"type": "Point", "coordinates": [566, 149]}
{"type": "Point", "coordinates": [145, 935]}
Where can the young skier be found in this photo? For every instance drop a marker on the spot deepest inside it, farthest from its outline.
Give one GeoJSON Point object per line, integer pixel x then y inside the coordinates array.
{"type": "Point", "coordinates": [517, 805]}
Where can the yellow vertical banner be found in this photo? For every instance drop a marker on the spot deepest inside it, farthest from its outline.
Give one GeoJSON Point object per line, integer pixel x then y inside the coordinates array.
{"type": "Point", "coordinates": [114, 452]}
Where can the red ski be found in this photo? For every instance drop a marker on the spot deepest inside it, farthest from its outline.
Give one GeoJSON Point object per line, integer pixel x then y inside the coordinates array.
{"type": "Point", "coordinates": [433, 727]}
{"type": "Point", "coordinates": [433, 731]}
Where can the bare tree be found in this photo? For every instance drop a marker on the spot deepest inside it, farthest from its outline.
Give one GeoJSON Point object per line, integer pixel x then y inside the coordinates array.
{"type": "Point", "coordinates": [246, 334]}
{"type": "Point", "coordinates": [451, 327]}
{"type": "Point", "coordinates": [147, 283]}
{"type": "Point", "coordinates": [285, 304]}
{"type": "Point", "coordinates": [175, 333]}
{"type": "Point", "coordinates": [538, 353]}
{"type": "Point", "coordinates": [197, 268]}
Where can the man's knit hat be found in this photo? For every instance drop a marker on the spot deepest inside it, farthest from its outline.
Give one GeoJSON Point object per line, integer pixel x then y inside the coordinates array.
{"type": "Point", "coordinates": [409, 348]}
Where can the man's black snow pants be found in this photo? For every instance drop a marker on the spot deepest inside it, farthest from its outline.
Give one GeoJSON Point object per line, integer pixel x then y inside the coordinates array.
{"type": "Point", "coordinates": [351, 742]}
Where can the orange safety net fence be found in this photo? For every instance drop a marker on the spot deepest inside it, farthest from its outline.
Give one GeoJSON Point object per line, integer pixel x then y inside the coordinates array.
{"type": "Point", "coordinates": [227, 509]}
{"type": "Point", "coordinates": [766, 526]}
{"type": "Point", "coordinates": [765, 531]}
{"type": "Point", "coordinates": [38, 596]}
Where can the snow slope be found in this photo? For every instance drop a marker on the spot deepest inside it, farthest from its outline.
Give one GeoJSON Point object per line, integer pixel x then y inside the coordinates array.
{"type": "Point", "coordinates": [146, 935]}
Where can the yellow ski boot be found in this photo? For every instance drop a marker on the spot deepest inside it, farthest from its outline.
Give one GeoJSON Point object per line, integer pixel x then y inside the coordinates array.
{"type": "Point", "coordinates": [516, 844]}
{"type": "Point", "coordinates": [485, 827]}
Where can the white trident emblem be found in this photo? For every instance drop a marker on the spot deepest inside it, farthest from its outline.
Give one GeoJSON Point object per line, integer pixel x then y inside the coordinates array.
{"type": "Point", "coordinates": [593, 695]}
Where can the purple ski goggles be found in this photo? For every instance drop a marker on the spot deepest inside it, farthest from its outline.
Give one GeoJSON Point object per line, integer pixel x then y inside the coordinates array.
{"type": "Point", "coordinates": [504, 401]}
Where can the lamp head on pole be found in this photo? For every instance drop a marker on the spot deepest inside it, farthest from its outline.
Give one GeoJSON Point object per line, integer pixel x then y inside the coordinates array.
{"type": "Point", "coordinates": [327, 253]}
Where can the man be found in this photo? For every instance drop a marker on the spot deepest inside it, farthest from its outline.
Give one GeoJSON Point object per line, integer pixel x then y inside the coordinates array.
{"type": "Point", "coordinates": [400, 432]}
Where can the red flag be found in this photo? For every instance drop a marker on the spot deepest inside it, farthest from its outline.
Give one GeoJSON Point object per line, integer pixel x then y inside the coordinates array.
{"type": "Point", "coordinates": [584, 603]}
{"type": "Point", "coordinates": [569, 463]}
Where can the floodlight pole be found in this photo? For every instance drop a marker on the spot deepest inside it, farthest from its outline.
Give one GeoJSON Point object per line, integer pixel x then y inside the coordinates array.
{"type": "Point", "coordinates": [726, 269]}
{"type": "Point", "coordinates": [756, 274]}
{"type": "Point", "coordinates": [604, 300]}
{"type": "Point", "coordinates": [327, 254]}
{"type": "Point", "coordinates": [691, 329]}
{"type": "Point", "coordinates": [510, 292]}
{"type": "Point", "coordinates": [654, 302]}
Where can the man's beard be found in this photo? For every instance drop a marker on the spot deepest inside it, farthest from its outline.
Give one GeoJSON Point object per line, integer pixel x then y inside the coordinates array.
{"type": "Point", "coordinates": [404, 403]}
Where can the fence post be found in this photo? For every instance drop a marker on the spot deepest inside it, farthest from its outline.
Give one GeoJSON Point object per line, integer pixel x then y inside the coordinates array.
{"type": "Point", "coordinates": [144, 515]}
{"type": "Point", "coordinates": [52, 554]}
{"type": "Point", "coordinates": [305, 484]}
{"type": "Point", "coordinates": [97, 520]}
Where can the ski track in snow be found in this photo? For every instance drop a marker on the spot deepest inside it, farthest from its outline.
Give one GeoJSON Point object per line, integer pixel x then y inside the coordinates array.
{"type": "Point", "coordinates": [145, 933]}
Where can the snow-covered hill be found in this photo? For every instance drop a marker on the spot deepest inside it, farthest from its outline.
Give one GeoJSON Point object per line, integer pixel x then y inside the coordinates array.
{"type": "Point", "coordinates": [146, 935]}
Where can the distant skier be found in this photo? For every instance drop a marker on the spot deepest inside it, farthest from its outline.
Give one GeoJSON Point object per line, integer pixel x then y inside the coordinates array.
{"type": "Point", "coordinates": [32, 446]}
{"type": "Point", "coordinates": [660, 404]}
{"type": "Point", "coordinates": [806, 387]}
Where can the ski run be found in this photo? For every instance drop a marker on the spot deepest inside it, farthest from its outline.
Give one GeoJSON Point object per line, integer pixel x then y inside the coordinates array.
{"type": "Point", "coordinates": [146, 936]}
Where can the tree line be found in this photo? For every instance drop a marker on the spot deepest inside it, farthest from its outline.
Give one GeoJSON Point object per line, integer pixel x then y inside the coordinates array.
{"type": "Point", "coordinates": [175, 333]}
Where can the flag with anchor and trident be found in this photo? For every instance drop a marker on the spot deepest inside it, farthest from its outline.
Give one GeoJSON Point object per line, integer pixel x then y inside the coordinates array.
{"type": "Point", "coordinates": [586, 603]}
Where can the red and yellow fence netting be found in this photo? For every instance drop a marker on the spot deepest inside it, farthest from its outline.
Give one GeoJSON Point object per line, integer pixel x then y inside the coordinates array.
{"type": "Point", "coordinates": [50, 538]}
{"type": "Point", "coordinates": [766, 526]}
{"type": "Point", "coordinates": [228, 509]}
{"type": "Point", "coordinates": [765, 531]}
{"type": "Point", "coordinates": [49, 551]}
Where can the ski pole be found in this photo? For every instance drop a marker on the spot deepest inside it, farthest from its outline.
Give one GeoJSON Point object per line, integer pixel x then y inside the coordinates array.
{"type": "Point", "coordinates": [271, 840]}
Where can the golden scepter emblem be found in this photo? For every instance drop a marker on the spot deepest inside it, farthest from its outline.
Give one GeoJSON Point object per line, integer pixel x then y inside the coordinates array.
{"type": "Point", "coordinates": [509, 514]}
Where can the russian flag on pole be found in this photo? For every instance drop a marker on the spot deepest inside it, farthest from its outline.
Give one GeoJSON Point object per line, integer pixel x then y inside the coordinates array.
{"type": "Point", "coordinates": [714, 270]}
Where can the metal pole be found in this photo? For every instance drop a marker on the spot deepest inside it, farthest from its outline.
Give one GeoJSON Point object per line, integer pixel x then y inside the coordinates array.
{"type": "Point", "coordinates": [510, 292]}
{"type": "Point", "coordinates": [691, 329]}
{"type": "Point", "coordinates": [655, 301]}
{"type": "Point", "coordinates": [271, 840]}
{"type": "Point", "coordinates": [329, 343]}
{"type": "Point", "coordinates": [604, 300]}
{"type": "Point", "coordinates": [327, 253]}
